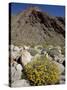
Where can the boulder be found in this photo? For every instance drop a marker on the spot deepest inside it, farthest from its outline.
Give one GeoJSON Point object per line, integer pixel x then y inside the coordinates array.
{"type": "Point", "coordinates": [60, 67]}
{"type": "Point", "coordinates": [16, 72]}
{"type": "Point", "coordinates": [53, 52]}
{"type": "Point", "coordinates": [19, 67]}
{"type": "Point", "coordinates": [16, 53]}
{"type": "Point", "coordinates": [26, 57]}
{"type": "Point", "coordinates": [20, 83]}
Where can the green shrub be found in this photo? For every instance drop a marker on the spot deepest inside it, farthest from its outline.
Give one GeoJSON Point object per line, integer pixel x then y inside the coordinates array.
{"type": "Point", "coordinates": [33, 52]}
{"type": "Point", "coordinates": [42, 71]}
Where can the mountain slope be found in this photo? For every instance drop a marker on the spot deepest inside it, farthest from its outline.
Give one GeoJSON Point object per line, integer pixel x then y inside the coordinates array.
{"type": "Point", "coordinates": [32, 27]}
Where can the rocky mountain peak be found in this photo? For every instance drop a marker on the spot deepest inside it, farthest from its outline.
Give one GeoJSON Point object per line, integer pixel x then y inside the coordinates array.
{"type": "Point", "coordinates": [33, 26]}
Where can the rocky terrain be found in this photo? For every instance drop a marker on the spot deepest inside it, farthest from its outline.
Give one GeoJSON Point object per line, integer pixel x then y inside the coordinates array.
{"type": "Point", "coordinates": [21, 56]}
{"type": "Point", "coordinates": [37, 49]}
{"type": "Point", "coordinates": [33, 27]}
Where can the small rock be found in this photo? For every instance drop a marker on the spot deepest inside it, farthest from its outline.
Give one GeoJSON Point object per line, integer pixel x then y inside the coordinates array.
{"type": "Point", "coordinates": [20, 83]}
{"type": "Point", "coordinates": [62, 82]}
{"type": "Point", "coordinates": [16, 48]}
{"type": "Point", "coordinates": [15, 55]}
{"type": "Point", "coordinates": [61, 68]}
{"type": "Point", "coordinates": [26, 47]}
{"type": "Point", "coordinates": [44, 51]}
{"type": "Point", "coordinates": [62, 77]}
{"type": "Point", "coordinates": [59, 58]}
{"type": "Point", "coordinates": [58, 48]}
{"type": "Point", "coordinates": [53, 52]}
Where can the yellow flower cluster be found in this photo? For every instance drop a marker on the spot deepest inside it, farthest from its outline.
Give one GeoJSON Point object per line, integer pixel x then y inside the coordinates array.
{"type": "Point", "coordinates": [42, 71]}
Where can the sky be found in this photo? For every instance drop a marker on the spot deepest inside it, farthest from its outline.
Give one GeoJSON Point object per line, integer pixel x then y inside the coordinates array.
{"type": "Point", "coordinates": [51, 9]}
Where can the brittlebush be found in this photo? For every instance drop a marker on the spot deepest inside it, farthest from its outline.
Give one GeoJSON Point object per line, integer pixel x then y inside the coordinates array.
{"type": "Point", "coordinates": [42, 71]}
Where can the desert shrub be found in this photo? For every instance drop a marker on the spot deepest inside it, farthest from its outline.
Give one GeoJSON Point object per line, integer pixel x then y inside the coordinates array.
{"type": "Point", "coordinates": [42, 71]}
{"type": "Point", "coordinates": [39, 47]}
{"type": "Point", "coordinates": [33, 52]}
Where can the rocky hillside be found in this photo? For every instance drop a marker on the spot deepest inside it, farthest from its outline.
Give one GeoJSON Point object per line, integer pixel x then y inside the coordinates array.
{"type": "Point", "coordinates": [33, 27]}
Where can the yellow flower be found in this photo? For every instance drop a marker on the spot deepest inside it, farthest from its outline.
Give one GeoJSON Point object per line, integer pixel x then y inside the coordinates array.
{"type": "Point", "coordinates": [42, 71]}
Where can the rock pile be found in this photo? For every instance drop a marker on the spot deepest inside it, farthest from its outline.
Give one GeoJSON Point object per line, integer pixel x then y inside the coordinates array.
{"type": "Point", "coordinates": [20, 56]}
